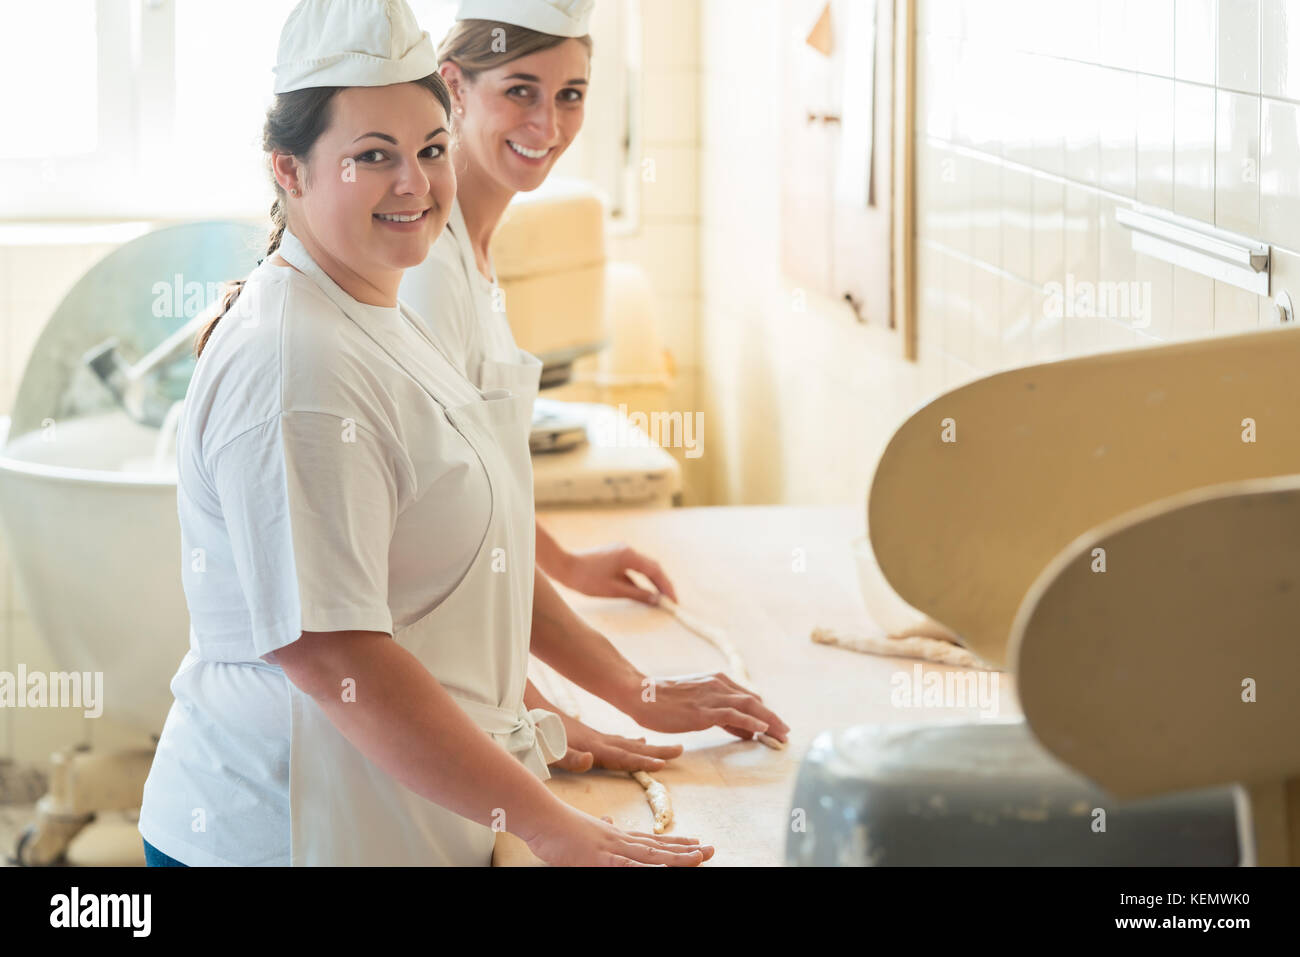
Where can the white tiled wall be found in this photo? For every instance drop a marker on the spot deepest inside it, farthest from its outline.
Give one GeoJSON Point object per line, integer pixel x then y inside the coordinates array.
{"type": "Point", "coordinates": [1036, 120]}
{"type": "Point", "coordinates": [667, 241]}
{"type": "Point", "coordinates": [796, 402]}
{"type": "Point", "coordinates": [1086, 106]}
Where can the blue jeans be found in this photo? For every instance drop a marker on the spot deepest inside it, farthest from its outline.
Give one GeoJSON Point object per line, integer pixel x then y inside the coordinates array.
{"type": "Point", "coordinates": [156, 858]}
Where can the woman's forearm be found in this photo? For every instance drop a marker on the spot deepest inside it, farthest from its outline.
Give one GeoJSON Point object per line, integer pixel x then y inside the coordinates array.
{"type": "Point", "coordinates": [404, 721]}
{"type": "Point", "coordinates": [533, 698]}
{"type": "Point", "coordinates": [579, 652]}
{"type": "Point", "coordinates": [551, 556]}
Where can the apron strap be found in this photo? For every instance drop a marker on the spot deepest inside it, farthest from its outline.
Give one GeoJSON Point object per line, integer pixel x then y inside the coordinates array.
{"type": "Point", "coordinates": [537, 727]}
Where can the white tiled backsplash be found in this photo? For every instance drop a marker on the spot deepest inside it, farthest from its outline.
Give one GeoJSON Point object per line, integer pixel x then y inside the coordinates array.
{"type": "Point", "coordinates": [1038, 119]}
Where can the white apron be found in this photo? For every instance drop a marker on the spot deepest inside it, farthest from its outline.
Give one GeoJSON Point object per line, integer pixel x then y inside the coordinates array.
{"type": "Point", "coordinates": [344, 809]}
{"type": "Point", "coordinates": [505, 365]}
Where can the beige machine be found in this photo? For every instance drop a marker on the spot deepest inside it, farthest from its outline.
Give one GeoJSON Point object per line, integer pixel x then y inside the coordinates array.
{"type": "Point", "coordinates": [1123, 532]}
{"type": "Point", "coordinates": [549, 253]}
{"type": "Point", "coordinates": [566, 301]}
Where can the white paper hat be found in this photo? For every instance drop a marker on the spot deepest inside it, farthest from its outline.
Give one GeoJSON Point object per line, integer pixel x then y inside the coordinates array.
{"type": "Point", "coordinates": [559, 18]}
{"type": "Point", "coordinates": [352, 43]}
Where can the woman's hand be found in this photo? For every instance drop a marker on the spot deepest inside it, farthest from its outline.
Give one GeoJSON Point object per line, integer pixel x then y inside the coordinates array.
{"type": "Point", "coordinates": [572, 838]}
{"type": "Point", "coordinates": [602, 573]}
{"type": "Point", "coordinates": [696, 702]}
{"type": "Point", "coordinates": [590, 748]}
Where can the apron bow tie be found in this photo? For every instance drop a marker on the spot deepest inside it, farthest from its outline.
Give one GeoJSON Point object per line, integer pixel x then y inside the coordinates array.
{"type": "Point", "coordinates": [534, 728]}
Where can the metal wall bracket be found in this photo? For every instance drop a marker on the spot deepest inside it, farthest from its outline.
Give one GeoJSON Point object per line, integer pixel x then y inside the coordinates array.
{"type": "Point", "coordinates": [1227, 257]}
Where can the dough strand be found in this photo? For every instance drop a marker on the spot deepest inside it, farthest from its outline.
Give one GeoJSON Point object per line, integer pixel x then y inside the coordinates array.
{"type": "Point", "coordinates": [905, 646]}
{"type": "Point", "coordinates": [555, 688]}
{"type": "Point", "coordinates": [714, 636]}
{"type": "Point", "coordinates": [660, 804]}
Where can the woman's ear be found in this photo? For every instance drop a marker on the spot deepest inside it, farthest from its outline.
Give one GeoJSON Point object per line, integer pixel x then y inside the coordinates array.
{"type": "Point", "coordinates": [285, 167]}
{"type": "Point", "coordinates": [455, 80]}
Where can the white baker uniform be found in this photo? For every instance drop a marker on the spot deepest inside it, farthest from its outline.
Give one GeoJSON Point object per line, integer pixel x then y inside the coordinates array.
{"type": "Point", "coordinates": [337, 472]}
{"type": "Point", "coordinates": [464, 313]}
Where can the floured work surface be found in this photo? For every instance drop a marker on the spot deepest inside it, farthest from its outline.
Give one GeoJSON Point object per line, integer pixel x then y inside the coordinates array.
{"type": "Point", "coordinates": [768, 576]}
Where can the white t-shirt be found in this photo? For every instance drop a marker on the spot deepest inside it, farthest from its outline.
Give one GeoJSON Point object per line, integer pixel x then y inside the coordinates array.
{"type": "Point", "coordinates": [459, 304]}
{"type": "Point", "coordinates": [320, 488]}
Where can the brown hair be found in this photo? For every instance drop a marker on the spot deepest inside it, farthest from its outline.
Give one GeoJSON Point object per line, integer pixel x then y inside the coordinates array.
{"type": "Point", "coordinates": [294, 123]}
{"type": "Point", "coordinates": [476, 45]}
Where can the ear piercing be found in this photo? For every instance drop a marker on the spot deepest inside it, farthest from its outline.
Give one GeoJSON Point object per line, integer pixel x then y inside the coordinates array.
{"type": "Point", "coordinates": [293, 192]}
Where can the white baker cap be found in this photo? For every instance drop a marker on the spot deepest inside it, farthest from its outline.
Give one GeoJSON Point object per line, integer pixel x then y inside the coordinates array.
{"type": "Point", "coordinates": [559, 18]}
{"type": "Point", "coordinates": [352, 43]}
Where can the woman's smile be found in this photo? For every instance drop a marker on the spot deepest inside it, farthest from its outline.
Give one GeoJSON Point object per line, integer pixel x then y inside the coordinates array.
{"type": "Point", "coordinates": [403, 220]}
{"type": "Point", "coordinates": [532, 157]}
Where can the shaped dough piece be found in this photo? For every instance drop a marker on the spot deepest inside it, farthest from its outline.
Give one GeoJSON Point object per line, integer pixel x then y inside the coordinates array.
{"type": "Point", "coordinates": [657, 796]}
{"type": "Point", "coordinates": [911, 646]}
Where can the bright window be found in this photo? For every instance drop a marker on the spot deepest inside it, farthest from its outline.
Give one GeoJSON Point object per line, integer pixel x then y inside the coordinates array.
{"type": "Point", "coordinates": [153, 109]}
{"type": "Point", "coordinates": [49, 112]}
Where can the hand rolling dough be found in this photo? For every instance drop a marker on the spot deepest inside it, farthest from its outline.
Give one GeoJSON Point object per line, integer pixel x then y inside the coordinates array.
{"type": "Point", "coordinates": [513, 852]}
{"type": "Point", "coordinates": [714, 636]}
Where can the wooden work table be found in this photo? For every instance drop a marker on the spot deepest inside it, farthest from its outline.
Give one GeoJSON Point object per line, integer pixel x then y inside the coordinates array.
{"type": "Point", "coordinates": [767, 576]}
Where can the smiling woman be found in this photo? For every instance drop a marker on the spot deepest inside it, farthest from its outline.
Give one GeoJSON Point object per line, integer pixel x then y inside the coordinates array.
{"type": "Point", "coordinates": [496, 128]}
{"type": "Point", "coordinates": [519, 72]}
{"type": "Point", "coordinates": [302, 128]}
{"type": "Point", "coordinates": [356, 178]}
